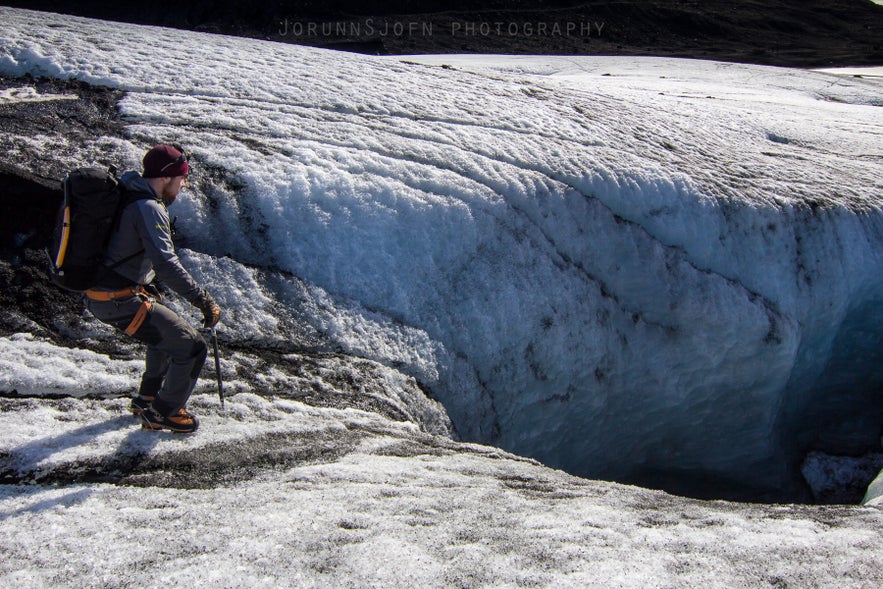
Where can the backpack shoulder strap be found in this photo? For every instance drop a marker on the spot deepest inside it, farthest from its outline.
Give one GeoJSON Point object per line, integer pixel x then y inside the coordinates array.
{"type": "Point", "coordinates": [127, 197]}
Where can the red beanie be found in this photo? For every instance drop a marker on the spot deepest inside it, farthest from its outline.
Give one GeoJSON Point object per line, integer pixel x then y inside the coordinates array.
{"type": "Point", "coordinates": [165, 160]}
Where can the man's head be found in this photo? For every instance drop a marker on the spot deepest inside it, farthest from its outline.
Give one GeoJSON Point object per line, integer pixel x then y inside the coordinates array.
{"type": "Point", "coordinates": [166, 169]}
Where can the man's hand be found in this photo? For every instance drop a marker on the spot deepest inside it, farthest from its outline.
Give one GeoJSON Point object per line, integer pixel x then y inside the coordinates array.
{"type": "Point", "coordinates": [211, 312]}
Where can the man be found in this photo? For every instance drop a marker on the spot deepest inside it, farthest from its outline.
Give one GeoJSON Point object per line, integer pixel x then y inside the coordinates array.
{"type": "Point", "coordinates": [140, 249]}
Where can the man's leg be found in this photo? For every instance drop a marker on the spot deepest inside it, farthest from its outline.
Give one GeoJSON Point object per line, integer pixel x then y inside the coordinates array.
{"type": "Point", "coordinates": [171, 341]}
{"type": "Point", "coordinates": [156, 364]}
{"type": "Point", "coordinates": [176, 347]}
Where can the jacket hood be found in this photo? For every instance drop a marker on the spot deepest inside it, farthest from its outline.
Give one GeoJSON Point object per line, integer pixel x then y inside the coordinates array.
{"type": "Point", "coordinates": [134, 182]}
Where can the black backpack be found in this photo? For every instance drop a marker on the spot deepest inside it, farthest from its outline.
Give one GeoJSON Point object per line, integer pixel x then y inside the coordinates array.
{"type": "Point", "coordinates": [93, 201]}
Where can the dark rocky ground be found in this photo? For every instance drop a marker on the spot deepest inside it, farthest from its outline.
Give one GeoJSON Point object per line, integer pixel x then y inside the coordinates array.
{"type": "Point", "coordinates": [30, 195]}
{"type": "Point", "coordinates": [799, 33]}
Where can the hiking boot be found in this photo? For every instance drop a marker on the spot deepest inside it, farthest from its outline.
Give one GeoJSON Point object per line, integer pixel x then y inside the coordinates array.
{"type": "Point", "coordinates": [139, 404]}
{"type": "Point", "coordinates": [181, 422]}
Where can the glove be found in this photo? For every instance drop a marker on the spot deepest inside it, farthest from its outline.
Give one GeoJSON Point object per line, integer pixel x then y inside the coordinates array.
{"type": "Point", "coordinates": [211, 312]}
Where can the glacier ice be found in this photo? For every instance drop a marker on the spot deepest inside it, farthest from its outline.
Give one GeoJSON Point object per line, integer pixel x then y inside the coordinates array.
{"type": "Point", "coordinates": [668, 274]}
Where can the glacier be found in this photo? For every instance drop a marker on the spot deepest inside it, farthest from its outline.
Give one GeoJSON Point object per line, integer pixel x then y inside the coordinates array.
{"type": "Point", "coordinates": [645, 270]}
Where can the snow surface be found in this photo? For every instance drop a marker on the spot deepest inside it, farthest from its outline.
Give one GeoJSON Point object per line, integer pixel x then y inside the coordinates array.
{"type": "Point", "coordinates": [617, 266]}
{"type": "Point", "coordinates": [873, 73]}
{"type": "Point", "coordinates": [368, 502]}
{"type": "Point", "coordinates": [874, 496]}
{"type": "Point", "coordinates": [17, 95]}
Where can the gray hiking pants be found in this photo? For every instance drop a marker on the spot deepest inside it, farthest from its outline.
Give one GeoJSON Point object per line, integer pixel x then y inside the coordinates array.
{"type": "Point", "coordinates": [175, 350]}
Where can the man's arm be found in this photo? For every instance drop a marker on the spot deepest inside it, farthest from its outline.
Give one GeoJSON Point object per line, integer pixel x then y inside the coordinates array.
{"type": "Point", "coordinates": [156, 236]}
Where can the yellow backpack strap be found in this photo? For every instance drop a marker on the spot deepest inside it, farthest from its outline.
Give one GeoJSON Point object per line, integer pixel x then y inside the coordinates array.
{"type": "Point", "coordinates": [65, 227]}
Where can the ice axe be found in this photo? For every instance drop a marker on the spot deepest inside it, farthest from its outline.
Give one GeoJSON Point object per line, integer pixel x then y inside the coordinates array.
{"type": "Point", "coordinates": [214, 340]}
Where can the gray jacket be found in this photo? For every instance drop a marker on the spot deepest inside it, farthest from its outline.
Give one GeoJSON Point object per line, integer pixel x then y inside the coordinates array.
{"type": "Point", "coordinates": [144, 225]}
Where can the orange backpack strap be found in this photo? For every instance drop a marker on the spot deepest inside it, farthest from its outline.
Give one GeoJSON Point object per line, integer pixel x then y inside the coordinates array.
{"type": "Point", "coordinates": [139, 318]}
